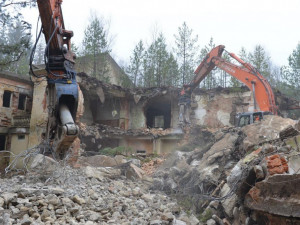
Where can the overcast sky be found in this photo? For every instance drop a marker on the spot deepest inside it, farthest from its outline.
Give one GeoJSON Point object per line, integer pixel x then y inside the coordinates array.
{"type": "Point", "coordinates": [234, 23]}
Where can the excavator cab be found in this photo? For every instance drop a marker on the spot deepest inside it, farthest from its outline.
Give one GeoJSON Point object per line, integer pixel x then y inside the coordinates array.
{"type": "Point", "coordinates": [247, 118]}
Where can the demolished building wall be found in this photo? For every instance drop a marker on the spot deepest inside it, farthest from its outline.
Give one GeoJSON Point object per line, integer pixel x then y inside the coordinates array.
{"type": "Point", "coordinates": [154, 108]}
{"type": "Point", "coordinates": [15, 110]}
{"type": "Point", "coordinates": [218, 107]}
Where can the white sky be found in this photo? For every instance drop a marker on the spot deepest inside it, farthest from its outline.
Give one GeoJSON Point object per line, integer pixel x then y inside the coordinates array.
{"type": "Point", "coordinates": [234, 23]}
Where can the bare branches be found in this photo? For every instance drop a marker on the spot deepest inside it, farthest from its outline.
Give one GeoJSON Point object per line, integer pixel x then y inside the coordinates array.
{"type": "Point", "coordinates": [19, 3]}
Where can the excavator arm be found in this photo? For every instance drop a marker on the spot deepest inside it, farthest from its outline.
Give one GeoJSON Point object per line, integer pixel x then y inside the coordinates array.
{"type": "Point", "coordinates": [247, 74]}
{"type": "Point", "coordinates": [62, 89]}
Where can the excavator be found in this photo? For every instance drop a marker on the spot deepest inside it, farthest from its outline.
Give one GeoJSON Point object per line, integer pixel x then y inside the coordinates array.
{"type": "Point", "coordinates": [264, 100]}
{"type": "Point", "coordinates": [62, 89]}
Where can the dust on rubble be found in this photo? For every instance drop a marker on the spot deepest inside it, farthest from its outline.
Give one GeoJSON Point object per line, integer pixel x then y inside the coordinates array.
{"type": "Point", "coordinates": [152, 165]}
{"type": "Point", "coordinates": [237, 175]}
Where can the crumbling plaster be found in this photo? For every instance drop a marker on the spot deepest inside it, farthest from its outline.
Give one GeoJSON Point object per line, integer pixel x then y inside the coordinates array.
{"type": "Point", "coordinates": [218, 109]}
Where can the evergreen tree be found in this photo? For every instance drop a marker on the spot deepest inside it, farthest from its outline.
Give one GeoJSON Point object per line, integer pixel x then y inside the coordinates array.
{"type": "Point", "coordinates": [96, 46]}
{"type": "Point", "coordinates": [186, 50]}
{"type": "Point", "coordinates": [291, 74]}
{"type": "Point", "coordinates": [259, 59]}
{"type": "Point", "coordinates": [155, 63]}
{"type": "Point", "coordinates": [136, 63]}
{"type": "Point", "coordinates": [14, 38]}
{"type": "Point", "coordinates": [172, 72]}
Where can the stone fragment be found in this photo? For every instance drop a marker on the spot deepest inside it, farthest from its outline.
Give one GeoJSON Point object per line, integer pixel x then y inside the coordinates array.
{"type": "Point", "coordinates": [26, 220]}
{"type": "Point", "coordinates": [92, 172]}
{"type": "Point", "coordinates": [56, 190]}
{"type": "Point", "coordinates": [214, 204]}
{"type": "Point", "coordinates": [8, 197]}
{"type": "Point", "coordinates": [45, 214]}
{"type": "Point", "coordinates": [211, 222]}
{"type": "Point", "coordinates": [53, 199]}
{"type": "Point", "coordinates": [259, 172]}
{"type": "Point", "coordinates": [1, 202]}
{"type": "Point", "coordinates": [78, 200]}
{"type": "Point", "coordinates": [179, 222]}
{"type": "Point", "coordinates": [167, 216]}
{"type": "Point", "coordinates": [94, 216]}
{"type": "Point", "coordinates": [228, 203]}
{"type": "Point", "coordinates": [156, 222]}
{"type": "Point", "coordinates": [218, 219]}
{"type": "Point", "coordinates": [60, 211]}
{"type": "Point", "coordinates": [41, 163]}
{"type": "Point", "coordinates": [133, 172]}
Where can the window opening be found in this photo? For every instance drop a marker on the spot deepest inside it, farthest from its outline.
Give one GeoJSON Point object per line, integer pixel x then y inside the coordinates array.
{"type": "Point", "coordinates": [2, 142]}
{"type": "Point", "coordinates": [22, 102]}
{"type": "Point", "coordinates": [6, 98]}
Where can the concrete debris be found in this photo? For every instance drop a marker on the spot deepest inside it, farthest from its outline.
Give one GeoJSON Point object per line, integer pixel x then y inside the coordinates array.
{"type": "Point", "coordinates": [101, 161]}
{"type": "Point", "coordinates": [43, 163]}
{"type": "Point", "coordinates": [151, 166]}
{"type": "Point", "coordinates": [90, 195]}
{"type": "Point", "coordinates": [260, 163]}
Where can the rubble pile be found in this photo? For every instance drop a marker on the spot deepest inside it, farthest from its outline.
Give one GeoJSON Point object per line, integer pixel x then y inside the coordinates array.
{"type": "Point", "coordinates": [243, 175]}
{"type": "Point", "coordinates": [88, 195]}
{"type": "Point", "coordinates": [151, 166]}
{"type": "Point", "coordinates": [100, 130]}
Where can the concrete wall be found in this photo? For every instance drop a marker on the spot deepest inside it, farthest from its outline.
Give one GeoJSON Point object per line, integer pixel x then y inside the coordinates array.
{"type": "Point", "coordinates": [39, 114]}
{"type": "Point", "coordinates": [218, 109]}
{"type": "Point", "coordinates": [137, 117]}
{"type": "Point", "coordinates": [166, 145]}
{"type": "Point", "coordinates": [109, 110]}
{"type": "Point", "coordinates": [115, 74]}
{"type": "Point", "coordinates": [18, 145]}
{"type": "Point", "coordinates": [138, 143]}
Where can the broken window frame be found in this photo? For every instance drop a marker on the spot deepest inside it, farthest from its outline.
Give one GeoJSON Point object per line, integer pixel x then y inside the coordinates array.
{"type": "Point", "coordinates": [22, 102]}
{"type": "Point", "coordinates": [7, 103]}
{"type": "Point", "coordinates": [21, 137]}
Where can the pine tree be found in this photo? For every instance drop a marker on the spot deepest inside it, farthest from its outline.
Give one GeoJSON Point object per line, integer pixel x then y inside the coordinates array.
{"type": "Point", "coordinates": [96, 46]}
{"type": "Point", "coordinates": [14, 32]}
{"type": "Point", "coordinates": [186, 50]}
{"type": "Point", "coordinates": [14, 41]}
{"type": "Point", "coordinates": [172, 72]}
{"type": "Point", "coordinates": [291, 74]}
{"type": "Point", "coordinates": [155, 62]}
{"type": "Point", "coordinates": [136, 63]}
{"type": "Point", "coordinates": [259, 59]}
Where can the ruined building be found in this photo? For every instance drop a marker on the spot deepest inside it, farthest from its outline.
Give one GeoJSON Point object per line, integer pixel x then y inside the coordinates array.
{"type": "Point", "coordinates": [145, 120]}
{"type": "Point", "coordinates": [15, 111]}
{"type": "Point", "coordinates": [142, 120]}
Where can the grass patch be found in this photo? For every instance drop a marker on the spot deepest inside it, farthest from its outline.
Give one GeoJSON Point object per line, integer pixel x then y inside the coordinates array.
{"type": "Point", "coordinates": [120, 150]}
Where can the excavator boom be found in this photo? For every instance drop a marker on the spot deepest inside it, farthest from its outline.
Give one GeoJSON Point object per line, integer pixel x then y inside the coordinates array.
{"type": "Point", "coordinates": [62, 89]}
{"type": "Point", "coordinates": [246, 73]}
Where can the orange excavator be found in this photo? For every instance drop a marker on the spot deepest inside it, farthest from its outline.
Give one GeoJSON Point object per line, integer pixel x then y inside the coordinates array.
{"type": "Point", "coordinates": [62, 89]}
{"type": "Point", "coordinates": [264, 100]}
